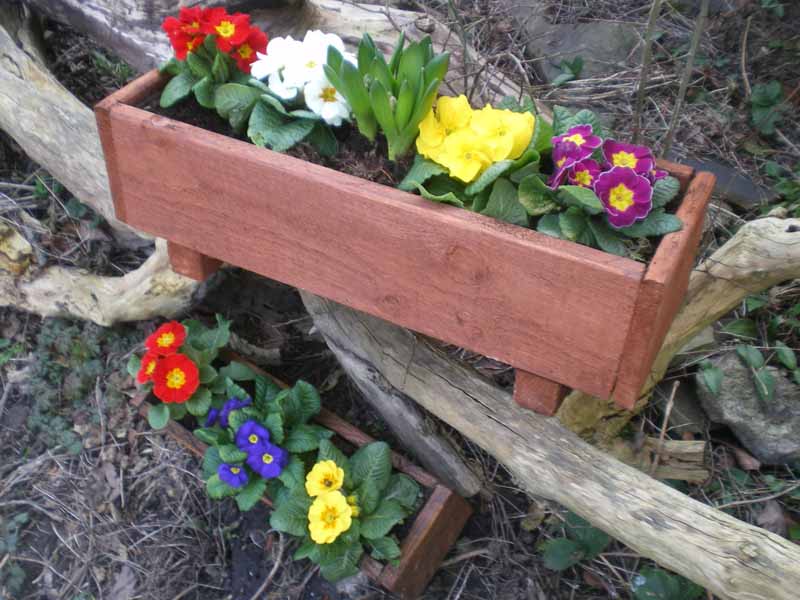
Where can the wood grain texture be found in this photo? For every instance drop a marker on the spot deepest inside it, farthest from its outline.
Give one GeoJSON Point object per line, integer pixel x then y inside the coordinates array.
{"type": "Point", "coordinates": [191, 263]}
{"type": "Point", "coordinates": [439, 270]}
{"type": "Point", "coordinates": [537, 393]}
{"type": "Point", "coordinates": [662, 291]}
{"type": "Point", "coordinates": [427, 543]}
{"type": "Point", "coordinates": [680, 172]}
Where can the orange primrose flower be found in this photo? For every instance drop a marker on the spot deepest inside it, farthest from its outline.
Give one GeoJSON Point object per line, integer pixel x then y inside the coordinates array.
{"type": "Point", "coordinates": [166, 339]}
{"type": "Point", "coordinates": [175, 378]}
{"type": "Point", "coordinates": [149, 362]}
{"type": "Point", "coordinates": [229, 30]}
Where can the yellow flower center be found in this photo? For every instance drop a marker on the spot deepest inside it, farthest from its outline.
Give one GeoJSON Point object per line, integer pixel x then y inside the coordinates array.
{"type": "Point", "coordinates": [245, 51]}
{"type": "Point", "coordinates": [225, 29]}
{"type": "Point", "coordinates": [624, 159]}
{"type": "Point", "coordinates": [328, 94]}
{"type": "Point", "coordinates": [329, 516]}
{"type": "Point", "coordinates": [576, 138]}
{"type": "Point", "coordinates": [151, 366]}
{"type": "Point", "coordinates": [267, 458]}
{"type": "Point", "coordinates": [176, 379]}
{"type": "Point", "coordinates": [252, 438]}
{"type": "Point", "coordinates": [192, 44]}
{"type": "Point", "coordinates": [311, 64]}
{"type": "Point", "coordinates": [235, 470]}
{"type": "Point", "coordinates": [560, 162]}
{"type": "Point", "coordinates": [583, 177]}
{"type": "Point", "coordinates": [165, 340]}
{"type": "Point", "coordinates": [621, 197]}
{"type": "Point", "coordinates": [327, 482]}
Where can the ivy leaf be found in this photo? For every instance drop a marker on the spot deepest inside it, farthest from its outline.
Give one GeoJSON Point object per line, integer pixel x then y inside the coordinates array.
{"type": "Point", "coordinates": [561, 553]}
{"type": "Point", "coordinates": [504, 205]}
{"type": "Point", "coordinates": [178, 88]}
{"type": "Point", "coordinates": [664, 191]}
{"type": "Point", "coordinates": [607, 238]}
{"type": "Point", "coordinates": [388, 514]}
{"type": "Point", "coordinates": [751, 355]}
{"type": "Point", "coordinates": [581, 197]}
{"type": "Point", "coordinates": [786, 355]}
{"type": "Point", "coordinates": [536, 197]}
{"type": "Point", "coordinates": [657, 223]}
{"type": "Point", "coordinates": [573, 222]}
{"type": "Point", "coordinates": [549, 225]}
{"type": "Point", "coordinates": [251, 494]}
{"type": "Point", "coordinates": [710, 377]}
{"type": "Point", "coordinates": [158, 415]}
{"type": "Point", "coordinates": [421, 170]}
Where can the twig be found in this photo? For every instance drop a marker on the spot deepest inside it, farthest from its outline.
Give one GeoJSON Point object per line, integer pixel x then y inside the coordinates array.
{"type": "Point", "coordinates": [788, 490]}
{"type": "Point", "coordinates": [4, 397]}
{"type": "Point", "coordinates": [647, 57]}
{"type": "Point", "coordinates": [664, 423]}
{"type": "Point", "coordinates": [274, 570]}
{"type": "Point", "coordinates": [743, 60]}
{"type": "Point", "coordinates": [687, 73]}
{"type": "Point", "coordinates": [787, 141]}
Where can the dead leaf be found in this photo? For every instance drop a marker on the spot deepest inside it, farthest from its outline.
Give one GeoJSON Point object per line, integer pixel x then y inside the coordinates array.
{"type": "Point", "coordinates": [745, 460]}
{"type": "Point", "coordinates": [772, 518]}
{"type": "Point", "coordinates": [535, 516]}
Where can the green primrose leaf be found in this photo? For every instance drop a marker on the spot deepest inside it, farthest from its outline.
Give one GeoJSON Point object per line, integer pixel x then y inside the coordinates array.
{"type": "Point", "coordinates": [308, 549]}
{"type": "Point", "coordinates": [291, 514]}
{"type": "Point", "coordinates": [384, 548]}
{"type": "Point", "coordinates": [274, 424]}
{"type": "Point", "coordinates": [584, 198]}
{"type": "Point", "coordinates": [404, 490]}
{"type": "Point", "coordinates": [561, 553]}
{"type": "Point", "coordinates": [237, 371]}
{"type": "Point", "coordinates": [133, 365]}
{"type": "Point", "coordinates": [305, 437]}
{"type": "Point", "coordinates": [489, 176]}
{"type": "Point", "coordinates": [158, 415]}
{"type": "Point", "coordinates": [207, 374]}
{"type": "Point", "coordinates": [745, 328]}
{"type": "Point", "coordinates": [786, 355]}
{"type": "Point", "coordinates": [200, 402]}
{"type": "Point", "coordinates": [607, 237]}
{"type": "Point", "coordinates": [371, 468]}
{"type": "Point", "coordinates": [657, 223]}
{"type": "Point", "coordinates": [177, 411]}
{"type": "Point", "coordinates": [266, 390]}
{"type": "Point", "coordinates": [664, 191]}
{"type": "Point", "coordinates": [339, 560]}
{"type": "Point", "coordinates": [178, 88]}
{"type": "Point", "coordinates": [421, 170]}
{"type": "Point", "coordinates": [593, 540]}
{"type": "Point", "coordinates": [550, 225]}
{"type": "Point", "coordinates": [229, 453]}
{"type": "Point", "coordinates": [655, 584]}
{"type": "Point", "coordinates": [251, 494]}
{"type": "Point", "coordinates": [504, 205]}
{"type": "Point", "coordinates": [220, 68]}
{"type": "Point", "coordinates": [573, 222]}
{"type": "Point", "coordinates": [380, 522]}
{"type": "Point", "coordinates": [267, 127]}
{"type": "Point", "coordinates": [323, 140]}
{"type": "Point", "coordinates": [218, 489]}
{"type": "Point", "coordinates": [328, 451]}
{"type": "Point", "coordinates": [198, 65]}
{"type": "Point", "coordinates": [211, 462]}
{"type": "Point", "coordinates": [536, 197]}
{"type": "Point", "coordinates": [208, 435]}
{"type": "Point", "coordinates": [442, 189]}
{"type": "Point", "coordinates": [294, 473]}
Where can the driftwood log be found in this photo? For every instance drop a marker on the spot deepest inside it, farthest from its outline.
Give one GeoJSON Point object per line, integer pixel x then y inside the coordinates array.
{"type": "Point", "coordinates": [730, 558]}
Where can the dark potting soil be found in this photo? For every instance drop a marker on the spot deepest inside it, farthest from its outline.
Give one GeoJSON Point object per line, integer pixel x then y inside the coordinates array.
{"type": "Point", "coordinates": [356, 155]}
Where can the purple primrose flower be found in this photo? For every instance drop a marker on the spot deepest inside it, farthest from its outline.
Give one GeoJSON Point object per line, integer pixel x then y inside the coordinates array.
{"type": "Point", "coordinates": [584, 173]}
{"type": "Point", "coordinates": [251, 436]}
{"type": "Point", "coordinates": [625, 195]}
{"type": "Point", "coordinates": [565, 154]}
{"type": "Point", "coordinates": [211, 417]}
{"type": "Point", "coordinates": [582, 136]}
{"type": "Point", "coordinates": [656, 174]}
{"type": "Point", "coordinates": [267, 460]}
{"type": "Point", "coordinates": [231, 405]}
{"type": "Point", "coordinates": [619, 154]}
{"type": "Point", "coordinates": [234, 475]}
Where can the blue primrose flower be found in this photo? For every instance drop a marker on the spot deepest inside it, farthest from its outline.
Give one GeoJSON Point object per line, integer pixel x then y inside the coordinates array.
{"type": "Point", "coordinates": [267, 460]}
{"type": "Point", "coordinates": [234, 475]}
{"type": "Point", "coordinates": [251, 435]}
{"type": "Point", "coordinates": [230, 406]}
{"type": "Point", "coordinates": [211, 417]}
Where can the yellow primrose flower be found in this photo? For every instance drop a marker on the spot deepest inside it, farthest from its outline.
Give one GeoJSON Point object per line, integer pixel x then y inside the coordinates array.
{"type": "Point", "coordinates": [323, 478]}
{"type": "Point", "coordinates": [329, 516]}
{"type": "Point", "coordinates": [505, 132]}
{"type": "Point", "coordinates": [431, 136]}
{"type": "Point", "coordinates": [465, 155]}
{"type": "Point", "coordinates": [353, 502]}
{"type": "Point", "coordinates": [453, 113]}
{"type": "Point", "coordinates": [521, 126]}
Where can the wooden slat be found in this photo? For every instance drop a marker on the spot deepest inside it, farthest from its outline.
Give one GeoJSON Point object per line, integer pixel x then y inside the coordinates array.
{"type": "Point", "coordinates": [190, 263]}
{"type": "Point", "coordinates": [680, 172]}
{"type": "Point", "coordinates": [537, 393]}
{"type": "Point", "coordinates": [550, 307]}
{"type": "Point", "coordinates": [662, 291]}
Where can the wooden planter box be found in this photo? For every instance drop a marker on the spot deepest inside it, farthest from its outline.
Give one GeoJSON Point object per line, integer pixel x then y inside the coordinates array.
{"type": "Point", "coordinates": [436, 527]}
{"type": "Point", "coordinates": [562, 314]}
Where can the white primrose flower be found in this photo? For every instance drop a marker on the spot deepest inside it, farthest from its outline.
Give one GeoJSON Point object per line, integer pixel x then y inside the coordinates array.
{"type": "Point", "coordinates": [306, 65]}
{"type": "Point", "coordinates": [323, 99]}
{"type": "Point", "coordinates": [280, 52]}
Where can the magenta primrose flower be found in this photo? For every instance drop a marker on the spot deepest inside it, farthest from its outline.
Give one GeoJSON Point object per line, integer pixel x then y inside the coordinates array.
{"type": "Point", "coordinates": [584, 173]}
{"type": "Point", "coordinates": [582, 136]}
{"type": "Point", "coordinates": [626, 195]}
{"type": "Point", "coordinates": [565, 154]}
{"type": "Point", "coordinates": [656, 174]}
{"type": "Point", "coordinates": [638, 158]}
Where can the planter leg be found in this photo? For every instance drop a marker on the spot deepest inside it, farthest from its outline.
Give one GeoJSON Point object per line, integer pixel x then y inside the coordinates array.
{"type": "Point", "coordinates": [191, 263]}
{"type": "Point", "coordinates": [537, 393]}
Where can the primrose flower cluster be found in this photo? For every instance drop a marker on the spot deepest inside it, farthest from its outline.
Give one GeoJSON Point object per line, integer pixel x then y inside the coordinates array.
{"type": "Point", "coordinates": [174, 376]}
{"type": "Point", "coordinates": [623, 180]}
{"type": "Point", "coordinates": [468, 141]}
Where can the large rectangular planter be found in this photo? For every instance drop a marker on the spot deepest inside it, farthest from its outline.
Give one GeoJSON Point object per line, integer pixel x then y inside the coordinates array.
{"type": "Point", "coordinates": [562, 314]}
{"type": "Point", "coordinates": [436, 526]}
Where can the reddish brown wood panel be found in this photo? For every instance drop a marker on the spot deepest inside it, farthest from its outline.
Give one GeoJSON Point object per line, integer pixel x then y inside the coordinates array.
{"type": "Point", "coordinates": [503, 291]}
{"type": "Point", "coordinates": [682, 173]}
{"type": "Point", "coordinates": [427, 543]}
{"type": "Point", "coordinates": [191, 263]}
{"type": "Point", "coordinates": [538, 394]}
{"type": "Point", "coordinates": [662, 292]}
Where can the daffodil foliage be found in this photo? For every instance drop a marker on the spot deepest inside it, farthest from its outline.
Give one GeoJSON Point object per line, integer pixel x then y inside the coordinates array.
{"type": "Point", "coordinates": [569, 180]}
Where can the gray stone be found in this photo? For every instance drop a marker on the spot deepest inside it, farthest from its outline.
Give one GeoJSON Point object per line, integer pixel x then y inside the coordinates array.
{"type": "Point", "coordinates": [769, 430]}
{"type": "Point", "coordinates": [604, 47]}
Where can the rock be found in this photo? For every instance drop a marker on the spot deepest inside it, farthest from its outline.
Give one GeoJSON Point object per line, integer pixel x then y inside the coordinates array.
{"type": "Point", "coordinates": [687, 414]}
{"type": "Point", "coordinates": [604, 46]}
{"type": "Point", "coordinates": [769, 431]}
{"type": "Point", "coordinates": [357, 587]}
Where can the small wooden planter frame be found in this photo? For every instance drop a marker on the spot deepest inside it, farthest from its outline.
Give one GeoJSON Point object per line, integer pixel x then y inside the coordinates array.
{"type": "Point", "coordinates": [562, 314]}
{"type": "Point", "coordinates": [436, 526]}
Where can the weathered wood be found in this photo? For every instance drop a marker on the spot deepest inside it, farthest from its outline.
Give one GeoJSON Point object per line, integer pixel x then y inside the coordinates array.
{"type": "Point", "coordinates": [537, 393]}
{"type": "Point", "coordinates": [730, 558]}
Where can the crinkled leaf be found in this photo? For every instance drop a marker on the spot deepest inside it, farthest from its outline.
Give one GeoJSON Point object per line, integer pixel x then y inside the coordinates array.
{"type": "Point", "coordinates": [158, 415]}
{"type": "Point", "coordinates": [607, 237]}
{"type": "Point", "coordinates": [266, 390]}
{"type": "Point", "coordinates": [440, 193]}
{"type": "Point", "coordinates": [294, 473]}
{"type": "Point", "coordinates": [251, 494]}
{"type": "Point", "coordinates": [220, 69]}
{"type": "Point", "coordinates": [370, 470]}
{"type": "Point", "coordinates": [229, 453]}
{"type": "Point", "coordinates": [211, 462]}
{"type": "Point", "coordinates": [384, 548]}
{"type": "Point", "coordinates": [403, 489]}
{"type": "Point", "coordinates": [504, 205]}
{"type": "Point", "coordinates": [339, 560]}
{"type": "Point", "coordinates": [267, 127]}
{"type": "Point", "coordinates": [665, 190]}
{"type": "Point", "coordinates": [291, 513]}
{"type": "Point", "coordinates": [541, 140]}
{"type": "Point", "coordinates": [207, 374]}
{"type": "Point", "coordinates": [218, 489]}
{"type": "Point", "coordinates": [178, 88]}
{"type": "Point", "coordinates": [581, 197]}
{"type": "Point", "coordinates": [308, 549]}
{"type": "Point", "coordinates": [323, 140]}
{"type": "Point", "coordinates": [489, 176]}
{"type": "Point", "coordinates": [751, 355]}
{"type": "Point", "coordinates": [573, 222]}
{"type": "Point", "coordinates": [536, 197]}
{"type": "Point", "coordinates": [561, 553]}
{"type": "Point", "coordinates": [199, 66]}
{"type": "Point", "coordinates": [657, 223]}
{"type": "Point", "coordinates": [549, 225]}
{"type": "Point", "coordinates": [235, 102]}
{"type": "Point", "coordinates": [200, 402]}
{"type": "Point", "coordinates": [274, 424]}
{"type": "Point", "coordinates": [204, 92]}
{"type": "Point", "coordinates": [233, 390]}
{"type": "Point", "coordinates": [208, 435]}
{"type": "Point", "coordinates": [786, 355]}
{"type": "Point", "coordinates": [172, 66]}
{"type": "Point", "coordinates": [300, 403]}
{"type": "Point", "coordinates": [380, 522]}
{"type": "Point", "coordinates": [177, 411]}
{"type": "Point", "coordinates": [561, 117]}
{"type": "Point", "coordinates": [592, 540]}
{"type": "Point", "coordinates": [305, 437]}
